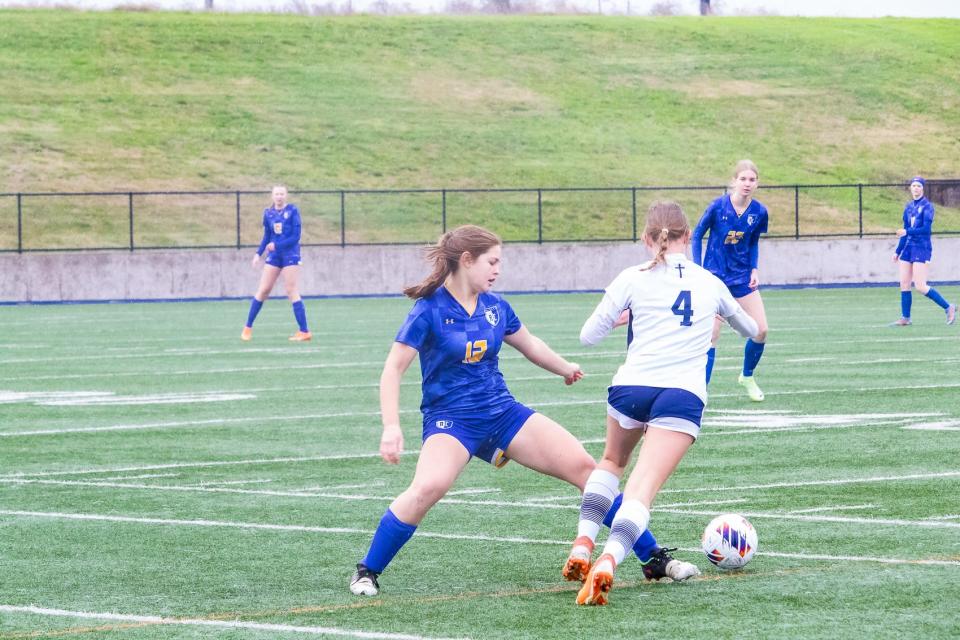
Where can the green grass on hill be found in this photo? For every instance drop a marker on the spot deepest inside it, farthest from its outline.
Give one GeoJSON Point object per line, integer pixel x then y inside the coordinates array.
{"type": "Point", "coordinates": [145, 101]}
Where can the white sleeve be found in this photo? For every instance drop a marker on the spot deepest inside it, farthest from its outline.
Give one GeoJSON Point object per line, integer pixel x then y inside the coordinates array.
{"type": "Point", "coordinates": [615, 300]}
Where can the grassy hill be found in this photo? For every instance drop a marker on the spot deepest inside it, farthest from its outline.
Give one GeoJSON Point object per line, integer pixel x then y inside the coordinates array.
{"type": "Point", "coordinates": [164, 101]}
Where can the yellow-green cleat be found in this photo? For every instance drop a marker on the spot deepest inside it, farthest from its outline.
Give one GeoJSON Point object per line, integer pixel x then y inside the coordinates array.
{"type": "Point", "coordinates": [748, 383]}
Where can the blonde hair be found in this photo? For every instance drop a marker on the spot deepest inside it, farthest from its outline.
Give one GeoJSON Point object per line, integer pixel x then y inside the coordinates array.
{"type": "Point", "coordinates": [445, 256]}
{"type": "Point", "coordinates": [666, 223]}
{"type": "Point", "coordinates": [745, 165]}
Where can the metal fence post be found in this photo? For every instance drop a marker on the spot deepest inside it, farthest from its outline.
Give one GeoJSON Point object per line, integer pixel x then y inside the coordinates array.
{"type": "Point", "coordinates": [238, 219]}
{"type": "Point", "coordinates": [860, 206]}
{"type": "Point", "coordinates": [130, 205]}
{"type": "Point", "coordinates": [343, 219]}
{"type": "Point", "coordinates": [443, 218]}
{"type": "Point", "coordinates": [540, 216]}
{"type": "Point", "coordinates": [19, 223]}
{"type": "Point", "coordinates": [796, 211]}
{"type": "Point", "coordinates": [634, 209]}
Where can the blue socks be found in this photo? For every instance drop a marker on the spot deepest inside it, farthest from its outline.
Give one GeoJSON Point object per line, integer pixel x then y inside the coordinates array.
{"type": "Point", "coordinates": [387, 541]}
{"type": "Point", "coordinates": [711, 356]}
{"type": "Point", "coordinates": [255, 306]}
{"type": "Point", "coordinates": [906, 299]}
{"type": "Point", "coordinates": [934, 295]}
{"type": "Point", "coordinates": [646, 544]}
{"type": "Point", "coordinates": [751, 356]}
{"type": "Point", "coordinates": [301, 315]}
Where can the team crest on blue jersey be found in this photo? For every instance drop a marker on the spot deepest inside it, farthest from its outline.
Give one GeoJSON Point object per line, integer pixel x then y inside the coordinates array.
{"type": "Point", "coordinates": [750, 219]}
{"type": "Point", "coordinates": [286, 214]}
{"type": "Point", "coordinates": [492, 314]}
{"type": "Point", "coordinates": [444, 424]}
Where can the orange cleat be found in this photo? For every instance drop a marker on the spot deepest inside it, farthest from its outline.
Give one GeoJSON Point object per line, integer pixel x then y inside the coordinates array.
{"type": "Point", "coordinates": [247, 334]}
{"type": "Point", "coordinates": [598, 583]}
{"type": "Point", "coordinates": [301, 336]}
{"type": "Point", "coordinates": [578, 562]}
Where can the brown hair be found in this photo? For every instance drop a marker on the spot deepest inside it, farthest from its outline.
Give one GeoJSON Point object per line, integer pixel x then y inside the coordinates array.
{"type": "Point", "coordinates": [445, 256]}
{"type": "Point", "coordinates": [745, 165]}
{"type": "Point", "coordinates": [666, 222]}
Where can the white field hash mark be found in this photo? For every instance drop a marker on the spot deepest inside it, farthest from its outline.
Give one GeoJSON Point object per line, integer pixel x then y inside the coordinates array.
{"type": "Point", "coordinates": [425, 534]}
{"type": "Point", "coordinates": [216, 624]}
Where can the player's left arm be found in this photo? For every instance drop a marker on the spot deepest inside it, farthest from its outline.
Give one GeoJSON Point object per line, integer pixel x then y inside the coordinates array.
{"type": "Point", "coordinates": [754, 253]}
{"type": "Point", "coordinates": [539, 353]}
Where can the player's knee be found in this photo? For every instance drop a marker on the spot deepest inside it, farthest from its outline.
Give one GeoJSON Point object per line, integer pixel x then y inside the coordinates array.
{"type": "Point", "coordinates": [427, 493]}
{"type": "Point", "coordinates": [761, 335]}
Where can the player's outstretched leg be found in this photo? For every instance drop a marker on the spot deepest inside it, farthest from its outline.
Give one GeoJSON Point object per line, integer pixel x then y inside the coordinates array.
{"type": "Point", "coordinates": [752, 351]}
{"type": "Point", "coordinates": [599, 493]}
{"type": "Point", "coordinates": [951, 314]}
{"type": "Point", "coordinates": [255, 306]}
{"type": "Point", "coordinates": [663, 565]}
{"type": "Point", "coordinates": [599, 582]}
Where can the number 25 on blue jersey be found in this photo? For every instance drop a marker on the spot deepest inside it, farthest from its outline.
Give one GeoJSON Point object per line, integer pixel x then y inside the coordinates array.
{"type": "Point", "coordinates": [683, 307]}
{"type": "Point", "coordinates": [475, 351]}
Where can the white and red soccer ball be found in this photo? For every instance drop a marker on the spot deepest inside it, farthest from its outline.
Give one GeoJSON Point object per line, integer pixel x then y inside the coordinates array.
{"type": "Point", "coordinates": [729, 541]}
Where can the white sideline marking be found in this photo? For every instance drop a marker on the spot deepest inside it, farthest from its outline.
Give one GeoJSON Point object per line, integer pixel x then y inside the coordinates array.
{"type": "Point", "coordinates": [944, 425]}
{"type": "Point", "coordinates": [426, 534]}
{"type": "Point", "coordinates": [841, 507]}
{"type": "Point", "coordinates": [950, 517]}
{"type": "Point", "coordinates": [893, 522]}
{"type": "Point", "coordinates": [467, 492]}
{"type": "Point", "coordinates": [192, 423]}
{"type": "Point", "coordinates": [145, 475]}
{"type": "Point", "coordinates": [219, 624]}
{"type": "Point", "coordinates": [816, 483]}
{"type": "Point", "coordinates": [265, 526]}
{"type": "Point", "coordinates": [160, 398]}
{"type": "Point", "coordinates": [195, 465]}
{"type": "Point", "coordinates": [227, 482]}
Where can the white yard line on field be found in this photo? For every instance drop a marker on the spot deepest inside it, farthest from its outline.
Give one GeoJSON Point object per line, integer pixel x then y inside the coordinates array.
{"type": "Point", "coordinates": [839, 507]}
{"type": "Point", "coordinates": [818, 483]}
{"type": "Point", "coordinates": [200, 465]}
{"type": "Point", "coordinates": [143, 476]}
{"type": "Point", "coordinates": [893, 522]}
{"type": "Point", "coordinates": [213, 624]}
{"type": "Point", "coordinates": [420, 533]}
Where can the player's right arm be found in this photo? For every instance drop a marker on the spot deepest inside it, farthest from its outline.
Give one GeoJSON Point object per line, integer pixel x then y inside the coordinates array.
{"type": "Point", "coordinates": [608, 313]}
{"type": "Point", "coordinates": [734, 314]}
{"type": "Point", "coordinates": [398, 361]}
{"type": "Point", "coordinates": [264, 240]}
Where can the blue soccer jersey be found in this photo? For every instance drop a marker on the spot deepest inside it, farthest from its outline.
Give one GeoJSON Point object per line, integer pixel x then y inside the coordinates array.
{"type": "Point", "coordinates": [918, 223]}
{"type": "Point", "coordinates": [459, 352]}
{"type": "Point", "coordinates": [733, 246]}
{"type": "Point", "coordinates": [282, 228]}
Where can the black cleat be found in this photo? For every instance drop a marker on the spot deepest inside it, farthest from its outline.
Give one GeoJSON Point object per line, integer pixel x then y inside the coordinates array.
{"type": "Point", "coordinates": [364, 582]}
{"type": "Point", "coordinates": [663, 565]}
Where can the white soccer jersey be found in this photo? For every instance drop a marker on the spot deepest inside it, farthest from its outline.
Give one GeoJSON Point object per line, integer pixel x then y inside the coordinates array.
{"type": "Point", "coordinates": [673, 307]}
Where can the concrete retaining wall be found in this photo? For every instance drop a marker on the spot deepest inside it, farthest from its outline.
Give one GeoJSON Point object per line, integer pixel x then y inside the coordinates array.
{"type": "Point", "coordinates": [372, 270]}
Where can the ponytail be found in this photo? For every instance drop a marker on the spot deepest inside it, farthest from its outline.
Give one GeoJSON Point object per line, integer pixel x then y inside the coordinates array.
{"type": "Point", "coordinates": [666, 222]}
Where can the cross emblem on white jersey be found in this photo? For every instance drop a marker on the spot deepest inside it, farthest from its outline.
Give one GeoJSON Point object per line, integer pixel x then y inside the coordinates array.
{"type": "Point", "coordinates": [680, 270]}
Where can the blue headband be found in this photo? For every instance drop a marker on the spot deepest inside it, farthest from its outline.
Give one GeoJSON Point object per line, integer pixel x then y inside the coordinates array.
{"type": "Point", "coordinates": [923, 183]}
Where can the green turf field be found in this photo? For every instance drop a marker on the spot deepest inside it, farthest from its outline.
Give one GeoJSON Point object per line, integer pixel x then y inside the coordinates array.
{"type": "Point", "coordinates": [153, 465]}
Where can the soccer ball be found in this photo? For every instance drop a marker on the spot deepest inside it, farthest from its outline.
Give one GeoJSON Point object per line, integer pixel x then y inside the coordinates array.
{"type": "Point", "coordinates": [729, 541]}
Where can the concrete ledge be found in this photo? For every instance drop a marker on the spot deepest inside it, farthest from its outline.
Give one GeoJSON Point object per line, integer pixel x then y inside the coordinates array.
{"type": "Point", "coordinates": [383, 270]}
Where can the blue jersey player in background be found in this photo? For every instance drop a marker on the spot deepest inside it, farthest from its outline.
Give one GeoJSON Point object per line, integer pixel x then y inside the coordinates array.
{"type": "Point", "coordinates": [914, 251]}
{"type": "Point", "coordinates": [281, 242]}
{"type": "Point", "coordinates": [457, 327]}
{"type": "Point", "coordinates": [735, 222]}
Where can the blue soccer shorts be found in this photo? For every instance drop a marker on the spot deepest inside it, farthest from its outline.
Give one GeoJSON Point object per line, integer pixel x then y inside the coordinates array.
{"type": "Point", "coordinates": [274, 260]}
{"type": "Point", "coordinates": [486, 437]}
{"type": "Point", "coordinates": [637, 407]}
